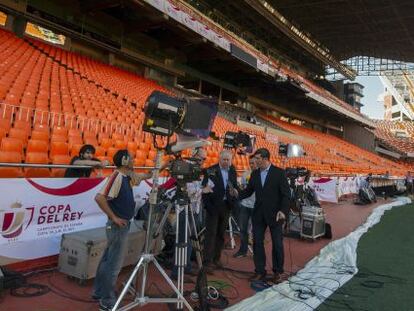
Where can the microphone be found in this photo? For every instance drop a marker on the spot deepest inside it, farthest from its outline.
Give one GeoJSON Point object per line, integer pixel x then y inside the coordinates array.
{"type": "Point", "coordinates": [186, 142]}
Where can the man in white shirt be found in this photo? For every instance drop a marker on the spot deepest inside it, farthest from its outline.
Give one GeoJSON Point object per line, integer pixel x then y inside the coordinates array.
{"type": "Point", "coordinates": [246, 211]}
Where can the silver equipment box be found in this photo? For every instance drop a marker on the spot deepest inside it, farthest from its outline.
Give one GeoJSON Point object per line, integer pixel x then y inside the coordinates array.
{"type": "Point", "coordinates": [80, 252]}
{"type": "Point", "coordinates": [294, 222]}
{"type": "Point", "coordinates": [312, 210]}
{"type": "Point", "coordinates": [313, 226]}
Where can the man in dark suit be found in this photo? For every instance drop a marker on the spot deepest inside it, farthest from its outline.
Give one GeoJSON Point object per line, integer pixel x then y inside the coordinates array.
{"type": "Point", "coordinates": [218, 202]}
{"type": "Point", "coordinates": [271, 208]}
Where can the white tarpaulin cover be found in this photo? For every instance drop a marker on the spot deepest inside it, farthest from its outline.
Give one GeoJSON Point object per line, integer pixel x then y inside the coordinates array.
{"type": "Point", "coordinates": [337, 260]}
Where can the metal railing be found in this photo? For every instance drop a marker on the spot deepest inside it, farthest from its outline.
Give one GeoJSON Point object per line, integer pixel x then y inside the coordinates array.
{"type": "Point", "coordinates": [34, 165]}
{"type": "Point", "coordinates": [65, 166]}
{"type": "Point", "coordinates": [68, 120]}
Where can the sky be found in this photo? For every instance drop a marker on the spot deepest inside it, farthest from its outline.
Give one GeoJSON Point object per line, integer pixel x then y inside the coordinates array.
{"type": "Point", "coordinates": [373, 88]}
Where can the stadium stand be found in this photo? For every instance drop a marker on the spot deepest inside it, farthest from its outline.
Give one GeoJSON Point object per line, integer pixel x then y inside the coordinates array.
{"type": "Point", "coordinates": [53, 101]}
{"type": "Point", "coordinates": [397, 135]}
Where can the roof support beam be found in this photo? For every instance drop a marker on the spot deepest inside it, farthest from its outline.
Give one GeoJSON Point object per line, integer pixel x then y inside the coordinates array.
{"type": "Point", "coordinates": [302, 39]}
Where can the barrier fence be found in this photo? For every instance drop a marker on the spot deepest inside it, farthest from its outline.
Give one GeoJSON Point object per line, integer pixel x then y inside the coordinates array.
{"type": "Point", "coordinates": [67, 120]}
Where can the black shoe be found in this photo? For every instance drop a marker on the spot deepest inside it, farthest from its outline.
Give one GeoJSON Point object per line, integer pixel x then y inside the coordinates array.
{"type": "Point", "coordinates": [239, 254]}
{"type": "Point", "coordinates": [276, 278]}
{"type": "Point", "coordinates": [258, 277]}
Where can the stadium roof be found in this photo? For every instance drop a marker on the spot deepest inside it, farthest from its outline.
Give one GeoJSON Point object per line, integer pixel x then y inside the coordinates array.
{"type": "Point", "coordinates": [347, 28]}
{"type": "Point", "coordinates": [380, 28]}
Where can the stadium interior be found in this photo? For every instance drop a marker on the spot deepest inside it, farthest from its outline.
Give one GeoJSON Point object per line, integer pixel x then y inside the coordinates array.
{"type": "Point", "coordinates": [54, 99]}
{"type": "Point", "coordinates": [75, 72]}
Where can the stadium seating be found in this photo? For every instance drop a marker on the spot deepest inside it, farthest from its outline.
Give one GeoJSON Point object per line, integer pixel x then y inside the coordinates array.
{"type": "Point", "coordinates": [52, 101]}
{"type": "Point", "coordinates": [387, 132]}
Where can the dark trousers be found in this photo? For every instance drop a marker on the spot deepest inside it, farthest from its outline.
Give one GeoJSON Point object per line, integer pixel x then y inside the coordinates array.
{"type": "Point", "coordinates": [245, 214]}
{"type": "Point", "coordinates": [216, 223]}
{"type": "Point", "coordinates": [410, 188]}
{"type": "Point", "coordinates": [259, 228]}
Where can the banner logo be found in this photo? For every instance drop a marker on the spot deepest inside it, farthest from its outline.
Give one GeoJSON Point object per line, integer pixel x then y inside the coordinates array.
{"type": "Point", "coordinates": [11, 221]}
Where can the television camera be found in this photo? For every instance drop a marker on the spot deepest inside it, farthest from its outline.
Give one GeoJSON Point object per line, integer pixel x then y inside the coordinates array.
{"type": "Point", "coordinates": [190, 120]}
{"type": "Point", "coordinates": [242, 142]}
{"type": "Point", "coordinates": [186, 170]}
{"type": "Point", "coordinates": [296, 172]}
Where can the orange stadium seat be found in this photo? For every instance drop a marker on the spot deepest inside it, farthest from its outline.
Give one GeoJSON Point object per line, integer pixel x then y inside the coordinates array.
{"type": "Point", "coordinates": [75, 140]}
{"type": "Point", "coordinates": [74, 150]}
{"type": "Point", "coordinates": [120, 144]}
{"type": "Point", "coordinates": [60, 131]}
{"type": "Point", "coordinates": [10, 157]}
{"type": "Point", "coordinates": [117, 136]}
{"type": "Point", "coordinates": [106, 143]}
{"type": "Point", "coordinates": [3, 133]}
{"type": "Point", "coordinates": [19, 134]}
{"type": "Point", "coordinates": [12, 144]}
{"type": "Point", "coordinates": [37, 158]}
{"type": "Point", "coordinates": [5, 123]}
{"type": "Point", "coordinates": [41, 128]}
{"type": "Point", "coordinates": [99, 151]}
{"type": "Point", "coordinates": [132, 147]}
{"type": "Point", "coordinates": [90, 140]}
{"type": "Point", "coordinates": [60, 159]}
{"type": "Point", "coordinates": [20, 124]}
{"type": "Point", "coordinates": [74, 133]}
{"type": "Point", "coordinates": [110, 152]}
{"type": "Point", "coordinates": [37, 146]}
{"type": "Point", "coordinates": [58, 138]}
{"type": "Point", "coordinates": [6, 112]}
{"type": "Point", "coordinates": [40, 135]}
{"type": "Point", "coordinates": [57, 147]}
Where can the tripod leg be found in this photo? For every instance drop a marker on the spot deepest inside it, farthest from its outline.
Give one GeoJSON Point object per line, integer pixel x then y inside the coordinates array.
{"type": "Point", "coordinates": [181, 247]}
{"type": "Point", "coordinates": [232, 242]}
{"type": "Point", "coordinates": [160, 228]}
{"type": "Point", "coordinates": [128, 283]}
{"type": "Point", "coordinates": [176, 290]}
{"type": "Point", "coordinates": [194, 235]}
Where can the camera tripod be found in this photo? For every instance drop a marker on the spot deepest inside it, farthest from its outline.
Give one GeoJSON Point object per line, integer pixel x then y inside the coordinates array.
{"type": "Point", "coordinates": [233, 222]}
{"type": "Point", "coordinates": [231, 231]}
{"type": "Point", "coordinates": [182, 206]}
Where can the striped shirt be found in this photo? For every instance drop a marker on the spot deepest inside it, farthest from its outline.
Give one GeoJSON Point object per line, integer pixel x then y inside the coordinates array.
{"type": "Point", "coordinates": [118, 192]}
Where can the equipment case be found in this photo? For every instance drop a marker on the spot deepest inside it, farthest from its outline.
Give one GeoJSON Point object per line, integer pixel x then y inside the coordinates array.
{"type": "Point", "coordinates": [313, 226]}
{"type": "Point", "coordinates": [80, 252]}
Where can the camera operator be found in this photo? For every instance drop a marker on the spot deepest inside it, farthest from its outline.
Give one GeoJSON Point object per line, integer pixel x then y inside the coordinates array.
{"type": "Point", "coordinates": [246, 211]}
{"type": "Point", "coordinates": [218, 184]}
{"type": "Point", "coordinates": [270, 185]}
{"type": "Point", "coordinates": [116, 200]}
